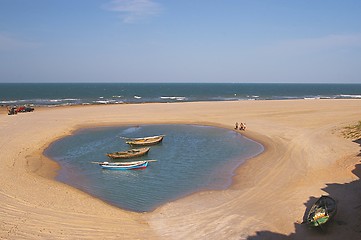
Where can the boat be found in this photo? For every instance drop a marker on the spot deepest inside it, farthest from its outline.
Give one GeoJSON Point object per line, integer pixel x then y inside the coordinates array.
{"type": "Point", "coordinates": [323, 210]}
{"type": "Point", "coordinates": [146, 141]}
{"type": "Point", "coordinates": [131, 153]}
{"type": "Point", "coordinates": [124, 165]}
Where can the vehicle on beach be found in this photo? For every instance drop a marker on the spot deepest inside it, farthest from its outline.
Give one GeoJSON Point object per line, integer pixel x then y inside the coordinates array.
{"type": "Point", "coordinates": [124, 165]}
{"type": "Point", "coordinates": [132, 153]}
{"type": "Point", "coordinates": [20, 109]}
{"type": "Point", "coordinates": [146, 141]}
{"type": "Point", "coordinates": [322, 211]}
{"type": "Point", "coordinates": [25, 109]}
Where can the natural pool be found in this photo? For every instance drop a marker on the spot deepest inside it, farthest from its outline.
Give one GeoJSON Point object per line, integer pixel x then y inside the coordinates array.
{"type": "Point", "coordinates": [190, 158]}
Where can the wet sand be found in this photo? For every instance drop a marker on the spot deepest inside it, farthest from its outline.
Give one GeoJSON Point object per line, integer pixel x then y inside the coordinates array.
{"type": "Point", "coordinates": [305, 156]}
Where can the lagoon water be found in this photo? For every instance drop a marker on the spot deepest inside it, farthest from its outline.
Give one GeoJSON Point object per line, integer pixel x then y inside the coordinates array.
{"type": "Point", "coordinates": [191, 158]}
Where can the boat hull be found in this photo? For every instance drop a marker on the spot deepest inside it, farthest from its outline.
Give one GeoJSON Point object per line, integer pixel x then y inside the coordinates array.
{"type": "Point", "coordinates": [125, 166]}
{"type": "Point", "coordinates": [148, 141]}
{"type": "Point", "coordinates": [133, 153]}
{"type": "Point", "coordinates": [322, 211]}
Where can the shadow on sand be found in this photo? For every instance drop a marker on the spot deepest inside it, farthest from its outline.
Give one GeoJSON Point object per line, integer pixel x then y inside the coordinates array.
{"type": "Point", "coordinates": [345, 225]}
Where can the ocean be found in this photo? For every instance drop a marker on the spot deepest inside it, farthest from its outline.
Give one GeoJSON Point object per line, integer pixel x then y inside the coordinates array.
{"type": "Point", "coordinates": [60, 94]}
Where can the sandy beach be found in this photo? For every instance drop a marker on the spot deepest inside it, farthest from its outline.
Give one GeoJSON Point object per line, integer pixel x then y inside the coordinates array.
{"type": "Point", "coordinates": [305, 156]}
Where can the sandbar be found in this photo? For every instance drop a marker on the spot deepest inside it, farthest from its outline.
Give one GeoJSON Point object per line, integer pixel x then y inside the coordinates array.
{"type": "Point", "coordinates": [305, 156]}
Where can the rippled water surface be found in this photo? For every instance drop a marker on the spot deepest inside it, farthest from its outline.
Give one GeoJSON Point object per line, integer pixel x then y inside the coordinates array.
{"type": "Point", "coordinates": [190, 158]}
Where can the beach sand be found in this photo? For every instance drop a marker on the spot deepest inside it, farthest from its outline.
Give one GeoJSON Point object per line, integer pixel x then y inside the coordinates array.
{"type": "Point", "coordinates": [305, 156]}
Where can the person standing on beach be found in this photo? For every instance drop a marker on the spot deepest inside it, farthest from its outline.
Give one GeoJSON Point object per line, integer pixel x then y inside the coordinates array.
{"type": "Point", "coordinates": [236, 126]}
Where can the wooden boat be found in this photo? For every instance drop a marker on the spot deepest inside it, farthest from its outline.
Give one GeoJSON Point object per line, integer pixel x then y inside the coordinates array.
{"type": "Point", "coordinates": [124, 165]}
{"type": "Point", "coordinates": [323, 210]}
{"type": "Point", "coordinates": [146, 141]}
{"type": "Point", "coordinates": [132, 153]}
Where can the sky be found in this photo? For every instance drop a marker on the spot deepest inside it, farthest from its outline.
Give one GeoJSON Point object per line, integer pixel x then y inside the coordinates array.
{"type": "Point", "coordinates": [246, 41]}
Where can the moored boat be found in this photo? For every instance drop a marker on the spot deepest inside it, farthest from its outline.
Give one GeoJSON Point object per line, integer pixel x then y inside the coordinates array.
{"type": "Point", "coordinates": [132, 153]}
{"type": "Point", "coordinates": [323, 210]}
{"type": "Point", "coordinates": [146, 141]}
{"type": "Point", "coordinates": [124, 165]}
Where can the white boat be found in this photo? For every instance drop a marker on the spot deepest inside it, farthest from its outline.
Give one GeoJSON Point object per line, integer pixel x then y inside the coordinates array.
{"type": "Point", "coordinates": [124, 165]}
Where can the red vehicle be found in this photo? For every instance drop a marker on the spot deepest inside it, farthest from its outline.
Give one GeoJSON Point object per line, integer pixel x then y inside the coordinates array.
{"type": "Point", "coordinates": [24, 109]}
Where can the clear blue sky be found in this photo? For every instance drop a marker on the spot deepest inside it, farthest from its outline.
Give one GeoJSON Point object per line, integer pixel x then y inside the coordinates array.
{"type": "Point", "coordinates": [253, 41]}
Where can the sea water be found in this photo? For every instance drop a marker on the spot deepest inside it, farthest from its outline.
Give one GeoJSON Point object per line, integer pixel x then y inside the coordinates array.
{"type": "Point", "coordinates": [58, 94]}
{"type": "Point", "coordinates": [191, 158]}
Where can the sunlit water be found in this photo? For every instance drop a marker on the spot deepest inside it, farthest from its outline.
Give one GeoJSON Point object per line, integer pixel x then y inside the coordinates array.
{"type": "Point", "coordinates": [190, 158]}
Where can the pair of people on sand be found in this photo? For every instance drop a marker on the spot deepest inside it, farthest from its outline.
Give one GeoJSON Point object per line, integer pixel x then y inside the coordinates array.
{"type": "Point", "coordinates": [242, 126]}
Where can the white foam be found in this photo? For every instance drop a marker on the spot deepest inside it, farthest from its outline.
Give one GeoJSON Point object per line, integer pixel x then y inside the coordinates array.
{"type": "Point", "coordinates": [174, 98]}
{"type": "Point", "coordinates": [349, 96]}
